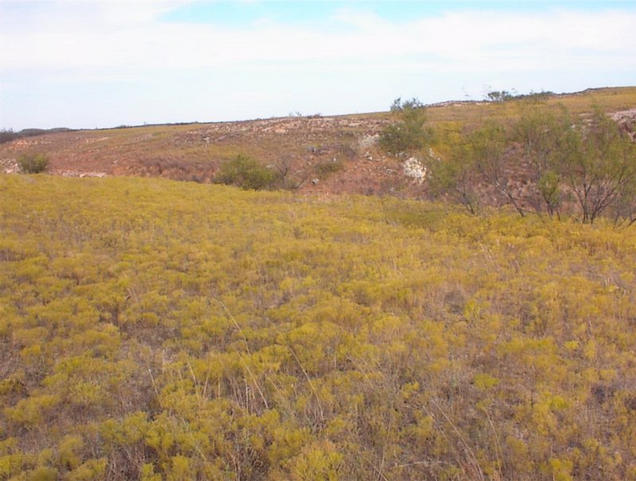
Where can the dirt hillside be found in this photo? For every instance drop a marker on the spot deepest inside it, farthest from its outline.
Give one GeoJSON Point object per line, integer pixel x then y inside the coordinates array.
{"type": "Point", "coordinates": [326, 154]}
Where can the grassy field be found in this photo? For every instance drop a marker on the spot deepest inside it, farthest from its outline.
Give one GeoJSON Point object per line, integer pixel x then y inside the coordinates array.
{"type": "Point", "coordinates": [161, 330]}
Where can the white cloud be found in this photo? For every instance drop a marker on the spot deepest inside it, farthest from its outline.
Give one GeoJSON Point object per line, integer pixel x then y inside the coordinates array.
{"type": "Point", "coordinates": [113, 34]}
{"type": "Point", "coordinates": [358, 55]}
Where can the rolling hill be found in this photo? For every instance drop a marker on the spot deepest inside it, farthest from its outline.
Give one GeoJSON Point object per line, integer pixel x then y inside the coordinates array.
{"type": "Point", "coordinates": [306, 145]}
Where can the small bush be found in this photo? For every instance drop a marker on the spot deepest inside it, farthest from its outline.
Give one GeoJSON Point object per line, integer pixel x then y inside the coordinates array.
{"type": "Point", "coordinates": [324, 169]}
{"type": "Point", "coordinates": [500, 95]}
{"type": "Point", "coordinates": [33, 163]}
{"type": "Point", "coordinates": [409, 133]}
{"type": "Point", "coordinates": [247, 173]}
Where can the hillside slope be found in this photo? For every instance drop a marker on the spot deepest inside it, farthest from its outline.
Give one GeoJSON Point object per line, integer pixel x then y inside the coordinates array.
{"type": "Point", "coordinates": [304, 144]}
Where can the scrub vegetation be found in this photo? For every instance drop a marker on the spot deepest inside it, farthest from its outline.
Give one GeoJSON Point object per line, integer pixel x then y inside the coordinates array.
{"type": "Point", "coordinates": [161, 330]}
{"type": "Point", "coordinates": [544, 160]}
{"type": "Point", "coordinates": [342, 152]}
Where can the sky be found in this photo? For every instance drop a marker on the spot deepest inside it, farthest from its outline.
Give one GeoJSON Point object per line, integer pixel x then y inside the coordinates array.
{"type": "Point", "coordinates": [105, 63]}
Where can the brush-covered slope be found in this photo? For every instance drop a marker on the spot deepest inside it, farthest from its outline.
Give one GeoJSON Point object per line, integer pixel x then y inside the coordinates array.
{"type": "Point", "coordinates": [339, 154]}
{"type": "Point", "coordinates": [161, 330]}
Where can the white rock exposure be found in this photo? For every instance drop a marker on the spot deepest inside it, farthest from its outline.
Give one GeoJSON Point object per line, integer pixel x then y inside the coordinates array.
{"type": "Point", "coordinates": [414, 169]}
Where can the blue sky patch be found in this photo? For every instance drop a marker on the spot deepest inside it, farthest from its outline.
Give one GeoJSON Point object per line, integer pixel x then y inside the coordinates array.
{"type": "Point", "coordinates": [236, 13]}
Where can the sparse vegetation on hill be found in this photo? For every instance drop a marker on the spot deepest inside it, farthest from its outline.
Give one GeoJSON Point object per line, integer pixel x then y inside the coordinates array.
{"type": "Point", "coordinates": [158, 330]}
{"type": "Point", "coordinates": [544, 160]}
{"type": "Point", "coordinates": [299, 146]}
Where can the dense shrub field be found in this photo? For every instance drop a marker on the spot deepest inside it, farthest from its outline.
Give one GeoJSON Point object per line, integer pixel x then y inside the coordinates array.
{"type": "Point", "coordinates": [157, 330]}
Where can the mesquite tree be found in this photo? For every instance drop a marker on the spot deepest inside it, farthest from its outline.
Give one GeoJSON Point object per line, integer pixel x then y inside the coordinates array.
{"type": "Point", "coordinates": [599, 166]}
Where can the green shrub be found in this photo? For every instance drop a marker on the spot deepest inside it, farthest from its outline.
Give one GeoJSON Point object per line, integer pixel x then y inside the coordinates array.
{"type": "Point", "coordinates": [500, 96]}
{"type": "Point", "coordinates": [247, 173]}
{"type": "Point", "coordinates": [33, 163]}
{"type": "Point", "coordinates": [409, 133]}
{"type": "Point", "coordinates": [324, 169]}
